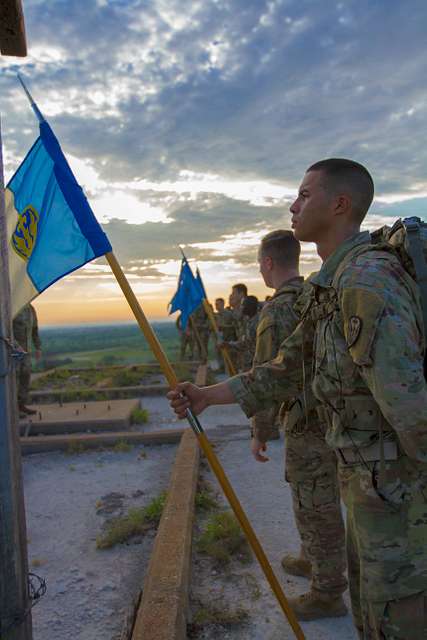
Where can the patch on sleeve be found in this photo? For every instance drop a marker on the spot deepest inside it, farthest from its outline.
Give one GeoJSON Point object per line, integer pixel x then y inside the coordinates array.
{"type": "Point", "coordinates": [264, 324]}
{"type": "Point", "coordinates": [264, 350]}
{"type": "Point", "coordinates": [362, 311]}
{"type": "Point", "coordinates": [353, 330]}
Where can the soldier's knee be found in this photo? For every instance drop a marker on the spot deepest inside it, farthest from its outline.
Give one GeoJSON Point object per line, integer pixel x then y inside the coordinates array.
{"type": "Point", "coordinates": [319, 494]}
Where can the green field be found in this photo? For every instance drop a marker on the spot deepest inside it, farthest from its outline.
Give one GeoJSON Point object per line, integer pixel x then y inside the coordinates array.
{"type": "Point", "coordinates": [88, 346]}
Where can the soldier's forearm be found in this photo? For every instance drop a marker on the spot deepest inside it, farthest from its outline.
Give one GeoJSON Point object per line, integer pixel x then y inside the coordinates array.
{"type": "Point", "coordinates": [219, 393]}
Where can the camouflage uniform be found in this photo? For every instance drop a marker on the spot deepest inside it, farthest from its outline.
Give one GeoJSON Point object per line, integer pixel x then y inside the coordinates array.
{"type": "Point", "coordinates": [200, 322]}
{"type": "Point", "coordinates": [246, 343]}
{"type": "Point", "coordinates": [311, 466]}
{"type": "Point", "coordinates": [26, 332]}
{"type": "Point", "coordinates": [240, 330]}
{"type": "Point", "coordinates": [363, 326]}
{"type": "Point", "coordinates": [186, 339]}
{"type": "Point", "coordinates": [225, 323]}
{"type": "Point", "coordinates": [277, 320]}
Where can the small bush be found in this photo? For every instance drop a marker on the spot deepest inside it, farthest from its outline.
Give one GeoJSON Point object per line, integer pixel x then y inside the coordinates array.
{"type": "Point", "coordinates": [153, 511]}
{"type": "Point", "coordinates": [223, 539]}
{"type": "Point", "coordinates": [136, 522]}
{"type": "Point", "coordinates": [127, 378]}
{"type": "Point", "coordinates": [205, 501]}
{"type": "Point", "coordinates": [139, 416]}
{"type": "Point", "coordinates": [122, 447]}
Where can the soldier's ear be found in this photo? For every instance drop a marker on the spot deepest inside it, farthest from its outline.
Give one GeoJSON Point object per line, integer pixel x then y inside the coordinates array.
{"type": "Point", "coordinates": [342, 204]}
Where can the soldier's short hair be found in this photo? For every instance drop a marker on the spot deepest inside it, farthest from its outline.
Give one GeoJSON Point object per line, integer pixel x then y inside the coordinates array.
{"type": "Point", "coordinates": [241, 288]}
{"type": "Point", "coordinates": [341, 173]}
{"type": "Point", "coordinates": [219, 300]}
{"type": "Point", "coordinates": [282, 247]}
{"type": "Point", "coordinates": [250, 306]}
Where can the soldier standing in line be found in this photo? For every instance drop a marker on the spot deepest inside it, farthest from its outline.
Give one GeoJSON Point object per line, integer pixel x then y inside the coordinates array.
{"type": "Point", "coordinates": [26, 333]}
{"type": "Point", "coordinates": [246, 343]}
{"type": "Point", "coordinates": [201, 328]}
{"type": "Point", "coordinates": [225, 323]}
{"type": "Point", "coordinates": [363, 326]}
{"type": "Point", "coordinates": [186, 339]}
{"type": "Point", "coordinates": [310, 465]}
{"type": "Point", "coordinates": [238, 293]}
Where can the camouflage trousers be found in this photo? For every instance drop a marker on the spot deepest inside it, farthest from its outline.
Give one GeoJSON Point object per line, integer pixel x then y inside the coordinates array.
{"type": "Point", "coordinates": [311, 470]}
{"type": "Point", "coordinates": [23, 379]}
{"type": "Point", "coordinates": [201, 343]}
{"type": "Point", "coordinates": [387, 548]}
{"type": "Point", "coordinates": [186, 341]}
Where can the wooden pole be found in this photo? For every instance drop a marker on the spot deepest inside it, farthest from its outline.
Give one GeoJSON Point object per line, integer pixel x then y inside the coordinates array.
{"type": "Point", "coordinates": [206, 447]}
{"type": "Point", "coordinates": [15, 616]}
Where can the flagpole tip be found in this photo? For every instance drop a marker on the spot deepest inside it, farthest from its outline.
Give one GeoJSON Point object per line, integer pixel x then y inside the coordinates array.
{"type": "Point", "coordinates": [35, 108]}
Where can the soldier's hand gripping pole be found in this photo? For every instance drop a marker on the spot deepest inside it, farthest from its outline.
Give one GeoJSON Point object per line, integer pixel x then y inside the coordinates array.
{"type": "Point", "coordinates": [206, 447]}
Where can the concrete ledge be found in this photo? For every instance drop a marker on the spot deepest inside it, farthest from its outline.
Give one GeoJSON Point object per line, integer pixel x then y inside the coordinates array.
{"type": "Point", "coordinates": [107, 393]}
{"type": "Point", "coordinates": [41, 444]}
{"type": "Point", "coordinates": [78, 417]}
{"type": "Point", "coordinates": [162, 614]}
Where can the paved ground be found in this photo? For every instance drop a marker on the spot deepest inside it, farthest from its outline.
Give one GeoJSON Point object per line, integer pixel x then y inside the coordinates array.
{"type": "Point", "coordinates": [88, 590]}
{"type": "Point", "coordinates": [266, 498]}
{"type": "Point", "coordinates": [68, 498]}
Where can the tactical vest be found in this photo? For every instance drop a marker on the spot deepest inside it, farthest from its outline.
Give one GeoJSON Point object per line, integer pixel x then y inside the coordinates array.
{"type": "Point", "coordinates": [407, 240]}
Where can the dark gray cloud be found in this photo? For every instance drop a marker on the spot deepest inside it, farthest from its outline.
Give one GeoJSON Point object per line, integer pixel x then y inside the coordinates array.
{"type": "Point", "coordinates": [236, 87]}
{"type": "Point", "coordinates": [208, 218]}
{"type": "Point", "coordinates": [245, 89]}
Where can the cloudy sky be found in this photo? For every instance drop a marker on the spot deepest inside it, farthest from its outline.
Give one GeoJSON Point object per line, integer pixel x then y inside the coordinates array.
{"type": "Point", "coordinates": [192, 122]}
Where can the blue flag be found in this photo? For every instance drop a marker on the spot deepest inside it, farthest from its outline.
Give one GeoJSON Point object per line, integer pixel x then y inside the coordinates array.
{"type": "Point", "coordinates": [188, 295]}
{"type": "Point", "coordinates": [51, 227]}
{"type": "Point", "coordinates": [200, 283]}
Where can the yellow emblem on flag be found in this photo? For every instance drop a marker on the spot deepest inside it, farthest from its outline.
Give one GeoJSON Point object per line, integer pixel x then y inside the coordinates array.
{"type": "Point", "coordinates": [25, 234]}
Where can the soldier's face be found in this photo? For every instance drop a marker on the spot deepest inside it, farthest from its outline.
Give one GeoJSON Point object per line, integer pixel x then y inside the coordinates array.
{"type": "Point", "coordinates": [313, 210]}
{"type": "Point", "coordinates": [235, 298]}
{"type": "Point", "coordinates": [219, 305]}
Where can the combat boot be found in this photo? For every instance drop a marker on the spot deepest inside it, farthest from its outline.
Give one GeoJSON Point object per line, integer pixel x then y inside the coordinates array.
{"type": "Point", "coordinates": [315, 604]}
{"type": "Point", "coordinates": [297, 565]}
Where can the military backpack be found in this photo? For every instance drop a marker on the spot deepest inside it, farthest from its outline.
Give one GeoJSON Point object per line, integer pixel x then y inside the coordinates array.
{"type": "Point", "coordinates": [408, 237]}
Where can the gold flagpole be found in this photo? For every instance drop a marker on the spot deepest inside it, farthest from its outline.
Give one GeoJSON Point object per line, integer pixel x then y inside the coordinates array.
{"type": "Point", "coordinates": [206, 447]}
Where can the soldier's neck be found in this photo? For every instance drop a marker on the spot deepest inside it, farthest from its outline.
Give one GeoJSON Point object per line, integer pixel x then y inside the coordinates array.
{"type": "Point", "coordinates": [283, 275]}
{"type": "Point", "coordinates": [335, 238]}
